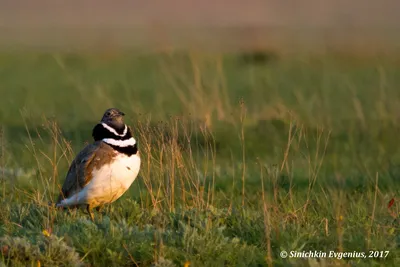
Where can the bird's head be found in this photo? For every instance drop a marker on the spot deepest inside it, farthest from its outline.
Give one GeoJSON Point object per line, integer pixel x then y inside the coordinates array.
{"type": "Point", "coordinates": [114, 118]}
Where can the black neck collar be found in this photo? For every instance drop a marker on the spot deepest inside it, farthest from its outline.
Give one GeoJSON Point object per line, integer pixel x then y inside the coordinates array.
{"type": "Point", "coordinates": [100, 132]}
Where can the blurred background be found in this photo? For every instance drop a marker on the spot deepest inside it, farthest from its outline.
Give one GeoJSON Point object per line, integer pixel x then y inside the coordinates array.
{"type": "Point", "coordinates": [323, 63]}
{"type": "Point", "coordinates": [262, 126]}
{"type": "Point", "coordinates": [308, 24]}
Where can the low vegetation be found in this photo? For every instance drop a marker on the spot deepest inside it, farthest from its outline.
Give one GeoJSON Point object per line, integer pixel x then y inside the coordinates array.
{"type": "Point", "coordinates": [243, 157]}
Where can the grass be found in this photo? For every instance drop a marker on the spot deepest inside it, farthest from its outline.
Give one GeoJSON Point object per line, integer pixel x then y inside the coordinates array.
{"type": "Point", "coordinates": [242, 157]}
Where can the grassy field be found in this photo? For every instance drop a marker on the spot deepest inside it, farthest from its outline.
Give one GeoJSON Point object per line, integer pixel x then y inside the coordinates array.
{"type": "Point", "coordinates": [243, 156]}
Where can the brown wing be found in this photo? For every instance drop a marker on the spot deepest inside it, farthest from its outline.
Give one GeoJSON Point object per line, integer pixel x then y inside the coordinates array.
{"type": "Point", "coordinates": [80, 172]}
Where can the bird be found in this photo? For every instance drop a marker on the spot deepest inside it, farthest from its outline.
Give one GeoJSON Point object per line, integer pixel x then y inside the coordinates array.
{"type": "Point", "coordinates": [103, 170]}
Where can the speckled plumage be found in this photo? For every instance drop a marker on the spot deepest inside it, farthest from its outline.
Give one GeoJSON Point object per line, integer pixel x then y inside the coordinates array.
{"type": "Point", "coordinates": [103, 170]}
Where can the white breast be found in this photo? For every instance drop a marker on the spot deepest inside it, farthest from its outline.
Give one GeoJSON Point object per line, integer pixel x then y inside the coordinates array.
{"type": "Point", "coordinates": [108, 183]}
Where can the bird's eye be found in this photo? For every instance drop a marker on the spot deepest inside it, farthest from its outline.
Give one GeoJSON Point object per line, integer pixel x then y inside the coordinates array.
{"type": "Point", "coordinates": [108, 114]}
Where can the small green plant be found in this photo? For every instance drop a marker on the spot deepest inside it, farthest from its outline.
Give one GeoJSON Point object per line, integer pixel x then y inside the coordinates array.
{"type": "Point", "coordinates": [49, 251]}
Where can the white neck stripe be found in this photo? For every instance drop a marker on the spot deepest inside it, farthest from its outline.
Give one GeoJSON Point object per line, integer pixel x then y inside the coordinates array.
{"type": "Point", "coordinates": [114, 131]}
{"type": "Point", "coordinates": [121, 143]}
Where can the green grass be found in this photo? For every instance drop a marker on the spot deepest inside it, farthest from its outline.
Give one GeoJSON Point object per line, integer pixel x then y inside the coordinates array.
{"type": "Point", "coordinates": [241, 159]}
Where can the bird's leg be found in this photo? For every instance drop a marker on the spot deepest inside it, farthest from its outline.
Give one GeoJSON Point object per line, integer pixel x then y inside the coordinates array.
{"type": "Point", "coordinates": [89, 210]}
{"type": "Point", "coordinates": [100, 208]}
